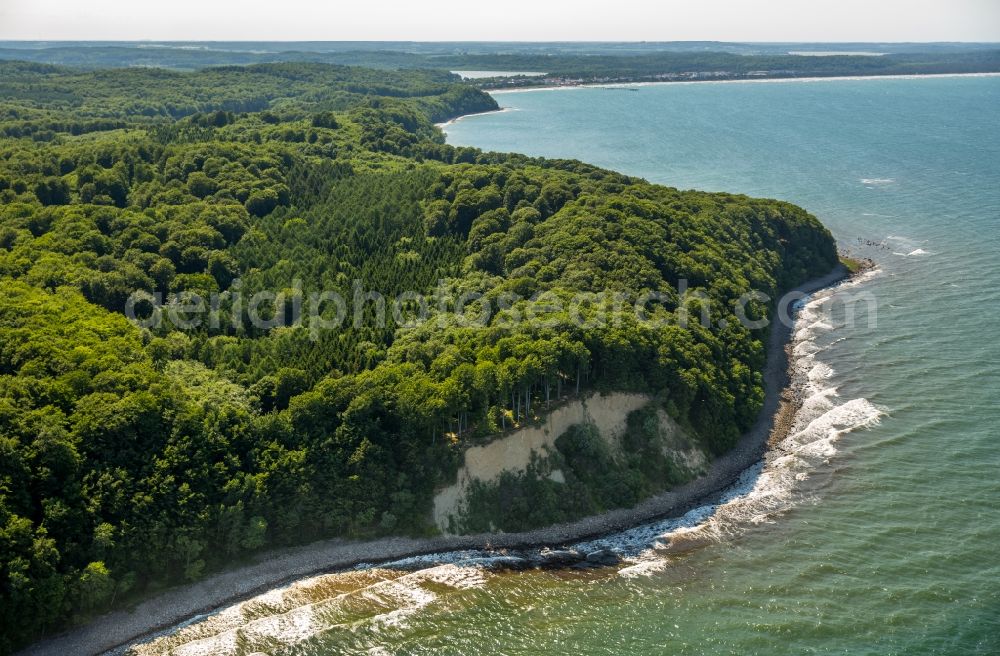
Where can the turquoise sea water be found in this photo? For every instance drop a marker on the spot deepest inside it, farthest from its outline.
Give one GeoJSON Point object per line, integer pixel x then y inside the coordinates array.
{"type": "Point", "coordinates": [878, 529]}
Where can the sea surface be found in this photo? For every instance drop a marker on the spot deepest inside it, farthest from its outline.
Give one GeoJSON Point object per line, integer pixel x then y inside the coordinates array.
{"type": "Point", "coordinates": [875, 529]}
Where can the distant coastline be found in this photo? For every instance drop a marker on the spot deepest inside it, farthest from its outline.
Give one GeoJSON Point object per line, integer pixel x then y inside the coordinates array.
{"type": "Point", "coordinates": [742, 80]}
{"type": "Point", "coordinates": [632, 85]}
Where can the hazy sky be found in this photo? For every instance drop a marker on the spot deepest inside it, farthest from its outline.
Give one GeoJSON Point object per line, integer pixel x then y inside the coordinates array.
{"type": "Point", "coordinates": [504, 20]}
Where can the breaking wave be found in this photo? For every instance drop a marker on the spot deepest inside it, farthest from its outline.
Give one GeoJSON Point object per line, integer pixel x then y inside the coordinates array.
{"type": "Point", "coordinates": [913, 253]}
{"type": "Point", "coordinates": [777, 484]}
{"type": "Point", "coordinates": [908, 247]}
{"type": "Point", "coordinates": [385, 596]}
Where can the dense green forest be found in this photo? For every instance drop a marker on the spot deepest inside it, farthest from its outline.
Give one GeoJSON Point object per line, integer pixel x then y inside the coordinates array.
{"type": "Point", "coordinates": [715, 65]}
{"type": "Point", "coordinates": [135, 457]}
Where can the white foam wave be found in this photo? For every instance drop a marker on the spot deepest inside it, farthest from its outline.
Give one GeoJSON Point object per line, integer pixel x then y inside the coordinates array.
{"type": "Point", "coordinates": [816, 404]}
{"type": "Point", "coordinates": [857, 280]}
{"type": "Point", "coordinates": [802, 349]}
{"type": "Point", "coordinates": [763, 493]}
{"type": "Point", "coordinates": [299, 612]}
{"type": "Point", "coordinates": [906, 246]}
{"type": "Point", "coordinates": [646, 566]}
{"type": "Point", "coordinates": [772, 487]}
{"type": "Point", "coordinates": [819, 372]}
{"type": "Point", "coordinates": [877, 181]}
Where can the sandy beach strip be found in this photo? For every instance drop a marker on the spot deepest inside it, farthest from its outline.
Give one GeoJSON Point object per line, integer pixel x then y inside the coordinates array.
{"type": "Point", "coordinates": [763, 80]}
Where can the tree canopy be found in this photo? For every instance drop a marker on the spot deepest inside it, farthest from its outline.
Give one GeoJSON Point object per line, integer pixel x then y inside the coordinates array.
{"type": "Point", "coordinates": [133, 456]}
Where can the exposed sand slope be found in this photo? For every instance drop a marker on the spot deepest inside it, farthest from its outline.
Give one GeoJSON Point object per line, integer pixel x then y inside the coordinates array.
{"type": "Point", "coordinates": [512, 452]}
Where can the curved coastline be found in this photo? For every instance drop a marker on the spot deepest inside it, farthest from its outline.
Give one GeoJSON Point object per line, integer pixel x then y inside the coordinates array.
{"type": "Point", "coordinates": [276, 568]}
{"type": "Point", "coordinates": [650, 83]}
{"type": "Point", "coordinates": [501, 91]}
{"type": "Point", "coordinates": [499, 110]}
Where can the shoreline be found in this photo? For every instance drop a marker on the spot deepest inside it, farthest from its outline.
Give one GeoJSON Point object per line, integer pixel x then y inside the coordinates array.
{"type": "Point", "coordinates": [275, 569]}
{"type": "Point", "coordinates": [626, 85]}
{"type": "Point", "coordinates": [765, 80]}
{"type": "Point", "coordinates": [499, 110]}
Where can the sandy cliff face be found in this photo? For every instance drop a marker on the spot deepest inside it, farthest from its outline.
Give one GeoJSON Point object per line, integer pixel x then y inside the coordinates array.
{"type": "Point", "coordinates": [512, 453]}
